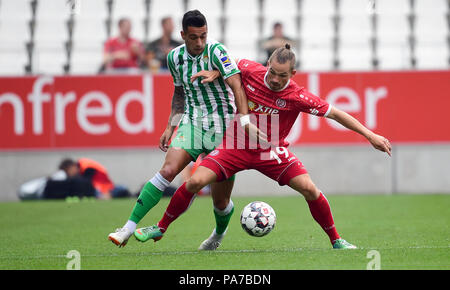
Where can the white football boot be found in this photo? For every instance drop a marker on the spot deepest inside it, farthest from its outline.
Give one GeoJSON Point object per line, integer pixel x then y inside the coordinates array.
{"type": "Point", "coordinates": [120, 236]}
{"type": "Point", "coordinates": [213, 242]}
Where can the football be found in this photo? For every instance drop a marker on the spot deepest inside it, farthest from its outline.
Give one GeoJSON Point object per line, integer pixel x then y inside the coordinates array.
{"type": "Point", "coordinates": [258, 218]}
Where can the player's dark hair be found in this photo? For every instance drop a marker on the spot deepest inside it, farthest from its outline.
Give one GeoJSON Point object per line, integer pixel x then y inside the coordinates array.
{"type": "Point", "coordinates": [284, 54]}
{"type": "Point", "coordinates": [193, 18]}
{"type": "Point", "coordinates": [66, 163]}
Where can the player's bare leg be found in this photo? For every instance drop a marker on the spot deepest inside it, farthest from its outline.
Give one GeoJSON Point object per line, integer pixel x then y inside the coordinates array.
{"type": "Point", "coordinates": [319, 208]}
{"type": "Point", "coordinates": [201, 178]}
{"type": "Point", "coordinates": [223, 210]}
{"type": "Point", "coordinates": [305, 186]}
{"type": "Point", "coordinates": [176, 159]}
{"type": "Point", "coordinates": [221, 193]}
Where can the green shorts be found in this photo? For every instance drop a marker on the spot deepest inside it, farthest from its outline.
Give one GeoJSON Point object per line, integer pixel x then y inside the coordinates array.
{"type": "Point", "coordinates": [196, 141]}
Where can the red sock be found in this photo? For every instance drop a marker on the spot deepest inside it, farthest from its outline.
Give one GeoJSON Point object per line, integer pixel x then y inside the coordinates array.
{"type": "Point", "coordinates": [179, 203]}
{"type": "Point", "coordinates": [321, 212]}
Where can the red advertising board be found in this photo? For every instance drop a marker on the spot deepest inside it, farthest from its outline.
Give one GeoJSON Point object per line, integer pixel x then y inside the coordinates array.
{"type": "Point", "coordinates": [403, 106]}
{"type": "Point", "coordinates": [83, 111]}
{"type": "Point", "coordinates": [51, 112]}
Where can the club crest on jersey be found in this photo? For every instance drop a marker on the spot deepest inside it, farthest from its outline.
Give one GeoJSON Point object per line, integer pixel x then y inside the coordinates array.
{"type": "Point", "coordinates": [261, 109]}
{"type": "Point", "coordinates": [280, 103]}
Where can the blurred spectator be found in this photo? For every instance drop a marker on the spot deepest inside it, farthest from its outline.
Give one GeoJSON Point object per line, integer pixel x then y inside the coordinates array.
{"type": "Point", "coordinates": [67, 169]}
{"type": "Point", "coordinates": [275, 41]}
{"type": "Point", "coordinates": [82, 178]}
{"type": "Point", "coordinates": [122, 52]}
{"type": "Point", "coordinates": [98, 175]}
{"type": "Point", "coordinates": [67, 182]}
{"type": "Point", "coordinates": [158, 49]}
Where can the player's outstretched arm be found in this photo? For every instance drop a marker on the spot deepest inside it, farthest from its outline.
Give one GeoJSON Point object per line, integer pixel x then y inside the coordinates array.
{"type": "Point", "coordinates": [233, 81]}
{"type": "Point", "coordinates": [379, 142]}
{"type": "Point", "coordinates": [174, 118]}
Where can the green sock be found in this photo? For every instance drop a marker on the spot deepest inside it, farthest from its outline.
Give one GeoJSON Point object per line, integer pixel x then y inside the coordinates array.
{"type": "Point", "coordinates": [223, 218]}
{"type": "Point", "coordinates": [148, 198]}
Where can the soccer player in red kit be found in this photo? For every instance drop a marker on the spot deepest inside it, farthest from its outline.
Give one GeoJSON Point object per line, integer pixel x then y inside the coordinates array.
{"type": "Point", "coordinates": [275, 100]}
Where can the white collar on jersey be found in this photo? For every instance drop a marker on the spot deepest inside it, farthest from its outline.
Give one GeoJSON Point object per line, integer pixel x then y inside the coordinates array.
{"type": "Point", "coordinates": [190, 56]}
{"type": "Point", "coordinates": [267, 85]}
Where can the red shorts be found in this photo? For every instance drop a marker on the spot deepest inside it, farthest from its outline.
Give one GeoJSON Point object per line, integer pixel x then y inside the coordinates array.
{"type": "Point", "coordinates": [279, 163]}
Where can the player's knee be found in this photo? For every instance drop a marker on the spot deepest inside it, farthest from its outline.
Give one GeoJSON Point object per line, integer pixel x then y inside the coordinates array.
{"type": "Point", "coordinates": [168, 172]}
{"type": "Point", "coordinates": [309, 191]}
{"type": "Point", "coordinates": [195, 183]}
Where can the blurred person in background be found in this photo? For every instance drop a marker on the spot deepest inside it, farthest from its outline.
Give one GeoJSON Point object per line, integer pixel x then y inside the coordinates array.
{"type": "Point", "coordinates": [65, 182]}
{"type": "Point", "coordinates": [122, 53]}
{"type": "Point", "coordinates": [99, 177]}
{"type": "Point", "coordinates": [74, 178]}
{"type": "Point", "coordinates": [278, 39]}
{"type": "Point", "coordinates": [157, 50]}
{"type": "Point", "coordinates": [67, 168]}
{"type": "Point", "coordinates": [68, 182]}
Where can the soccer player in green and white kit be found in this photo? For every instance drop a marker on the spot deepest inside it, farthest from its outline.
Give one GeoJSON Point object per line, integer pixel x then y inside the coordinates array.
{"type": "Point", "coordinates": [203, 112]}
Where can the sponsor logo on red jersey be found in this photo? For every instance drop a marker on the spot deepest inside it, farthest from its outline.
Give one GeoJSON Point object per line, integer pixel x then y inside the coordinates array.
{"type": "Point", "coordinates": [261, 109]}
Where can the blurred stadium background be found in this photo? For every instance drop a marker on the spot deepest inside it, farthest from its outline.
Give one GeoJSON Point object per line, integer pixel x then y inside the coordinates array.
{"type": "Point", "coordinates": [384, 61]}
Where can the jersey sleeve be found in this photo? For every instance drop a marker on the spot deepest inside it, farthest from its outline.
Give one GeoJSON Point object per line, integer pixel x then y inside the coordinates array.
{"type": "Point", "coordinates": [312, 104]}
{"type": "Point", "coordinates": [223, 62]}
{"type": "Point", "coordinates": [173, 70]}
{"type": "Point", "coordinates": [243, 66]}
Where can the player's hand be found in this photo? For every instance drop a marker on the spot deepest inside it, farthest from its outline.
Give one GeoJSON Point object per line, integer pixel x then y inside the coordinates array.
{"type": "Point", "coordinates": [164, 140]}
{"type": "Point", "coordinates": [255, 134]}
{"type": "Point", "coordinates": [381, 143]}
{"type": "Point", "coordinates": [207, 76]}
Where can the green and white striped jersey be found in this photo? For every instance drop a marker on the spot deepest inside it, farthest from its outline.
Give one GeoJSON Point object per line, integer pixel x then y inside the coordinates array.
{"type": "Point", "coordinates": [207, 106]}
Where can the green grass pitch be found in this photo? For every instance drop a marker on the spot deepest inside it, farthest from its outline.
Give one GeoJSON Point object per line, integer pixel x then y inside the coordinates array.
{"type": "Point", "coordinates": [408, 231]}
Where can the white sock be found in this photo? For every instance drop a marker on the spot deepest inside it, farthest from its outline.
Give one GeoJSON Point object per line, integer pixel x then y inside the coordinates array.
{"type": "Point", "coordinates": [159, 182]}
{"type": "Point", "coordinates": [226, 210]}
{"type": "Point", "coordinates": [218, 237]}
{"type": "Point", "coordinates": [130, 225]}
{"type": "Point", "coordinates": [223, 212]}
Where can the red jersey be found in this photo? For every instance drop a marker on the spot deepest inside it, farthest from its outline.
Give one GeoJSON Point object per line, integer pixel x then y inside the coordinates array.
{"type": "Point", "coordinates": [114, 44]}
{"type": "Point", "coordinates": [279, 108]}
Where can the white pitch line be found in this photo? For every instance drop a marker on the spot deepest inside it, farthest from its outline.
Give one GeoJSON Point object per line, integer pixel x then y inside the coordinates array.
{"type": "Point", "coordinates": [218, 252]}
